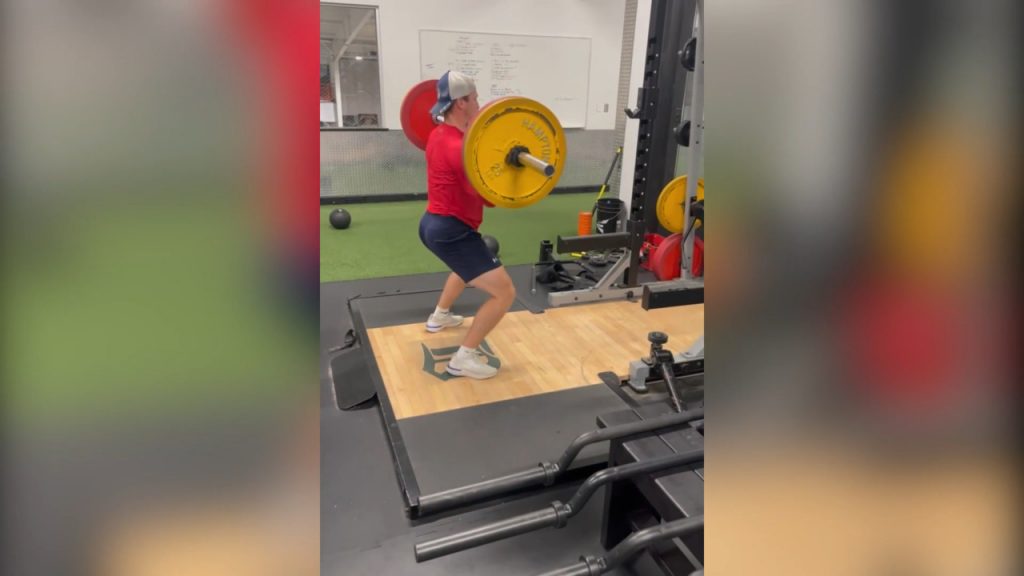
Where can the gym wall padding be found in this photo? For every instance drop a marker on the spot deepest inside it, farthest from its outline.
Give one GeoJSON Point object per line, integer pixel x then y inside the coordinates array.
{"type": "Point", "coordinates": [384, 163]}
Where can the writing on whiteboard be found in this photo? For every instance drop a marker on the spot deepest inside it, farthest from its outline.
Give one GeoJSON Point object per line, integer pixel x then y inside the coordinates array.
{"type": "Point", "coordinates": [551, 70]}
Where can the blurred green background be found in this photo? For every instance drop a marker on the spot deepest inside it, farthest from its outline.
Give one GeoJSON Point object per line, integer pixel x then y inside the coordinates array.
{"type": "Point", "coordinates": [151, 312]}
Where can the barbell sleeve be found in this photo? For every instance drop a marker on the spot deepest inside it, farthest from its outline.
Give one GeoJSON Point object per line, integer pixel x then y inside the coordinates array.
{"type": "Point", "coordinates": [486, 534]}
{"type": "Point", "coordinates": [536, 163]}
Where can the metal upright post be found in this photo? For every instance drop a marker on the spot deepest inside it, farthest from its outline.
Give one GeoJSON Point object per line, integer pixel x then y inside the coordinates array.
{"type": "Point", "coordinates": [655, 151]}
{"type": "Point", "coordinates": [694, 169]}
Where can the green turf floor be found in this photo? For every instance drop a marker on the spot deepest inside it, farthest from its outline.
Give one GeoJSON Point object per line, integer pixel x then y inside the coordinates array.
{"type": "Point", "coordinates": [383, 239]}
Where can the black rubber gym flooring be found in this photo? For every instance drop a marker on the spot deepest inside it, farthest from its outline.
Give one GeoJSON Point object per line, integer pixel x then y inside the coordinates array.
{"type": "Point", "coordinates": [363, 527]}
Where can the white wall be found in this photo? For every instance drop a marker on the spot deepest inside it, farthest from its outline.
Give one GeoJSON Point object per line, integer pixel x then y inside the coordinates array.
{"type": "Point", "coordinates": [401, 20]}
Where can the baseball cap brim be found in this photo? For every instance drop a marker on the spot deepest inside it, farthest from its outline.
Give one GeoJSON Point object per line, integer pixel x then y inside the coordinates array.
{"type": "Point", "coordinates": [440, 108]}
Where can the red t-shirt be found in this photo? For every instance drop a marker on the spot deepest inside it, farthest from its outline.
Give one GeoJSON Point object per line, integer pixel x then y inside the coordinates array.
{"type": "Point", "coordinates": [449, 192]}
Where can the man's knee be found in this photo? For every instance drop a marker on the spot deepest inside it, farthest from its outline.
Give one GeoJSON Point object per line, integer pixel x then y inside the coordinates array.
{"type": "Point", "coordinates": [508, 293]}
{"type": "Point", "coordinates": [505, 291]}
{"type": "Point", "coordinates": [498, 284]}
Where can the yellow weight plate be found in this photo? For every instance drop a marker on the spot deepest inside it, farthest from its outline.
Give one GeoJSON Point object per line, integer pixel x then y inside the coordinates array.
{"type": "Point", "coordinates": [670, 203]}
{"type": "Point", "coordinates": [501, 125]}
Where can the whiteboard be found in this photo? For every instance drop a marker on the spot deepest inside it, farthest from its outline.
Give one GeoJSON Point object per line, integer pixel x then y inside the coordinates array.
{"type": "Point", "coordinates": [552, 70]}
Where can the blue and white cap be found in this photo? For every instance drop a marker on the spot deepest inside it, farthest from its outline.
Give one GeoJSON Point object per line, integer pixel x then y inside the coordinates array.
{"type": "Point", "coordinates": [452, 86]}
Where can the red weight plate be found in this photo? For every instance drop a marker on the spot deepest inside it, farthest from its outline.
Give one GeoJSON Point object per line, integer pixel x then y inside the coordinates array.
{"type": "Point", "coordinates": [416, 120]}
{"type": "Point", "coordinates": [666, 259]}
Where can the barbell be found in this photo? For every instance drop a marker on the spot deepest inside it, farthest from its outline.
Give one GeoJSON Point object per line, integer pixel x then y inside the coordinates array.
{"type": "Point", "coordinates": [514, 151]}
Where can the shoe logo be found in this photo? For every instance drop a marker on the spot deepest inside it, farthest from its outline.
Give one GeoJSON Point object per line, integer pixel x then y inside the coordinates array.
{"type": "Point", "coordinates": [436, 359]}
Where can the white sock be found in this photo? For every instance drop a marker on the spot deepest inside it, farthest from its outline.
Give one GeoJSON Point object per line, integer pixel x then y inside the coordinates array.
{"type": "Point", "coordinates": [441, 311]}
{"type": "Point", "coordinates": [466, 351]}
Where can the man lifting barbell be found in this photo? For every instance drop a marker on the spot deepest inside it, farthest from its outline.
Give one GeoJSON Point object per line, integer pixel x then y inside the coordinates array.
{"type": "Point", "coordinates": [510, 153]}
{"type": "Point", "coordinates": [449, 228]}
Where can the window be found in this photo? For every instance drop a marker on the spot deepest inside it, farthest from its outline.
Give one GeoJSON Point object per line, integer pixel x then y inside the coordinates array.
{"type": "Point", "coordinates": [349, 67]}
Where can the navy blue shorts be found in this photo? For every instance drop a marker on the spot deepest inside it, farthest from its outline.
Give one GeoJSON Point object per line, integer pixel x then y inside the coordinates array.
{"type": "Point", "coordinates": [460, 247]}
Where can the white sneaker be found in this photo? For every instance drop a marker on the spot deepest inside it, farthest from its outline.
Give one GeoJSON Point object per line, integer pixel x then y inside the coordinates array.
{"type": "Point", "coordinates": [438, 322]}
{"type": "Point", "coordinates": [473, 365]}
